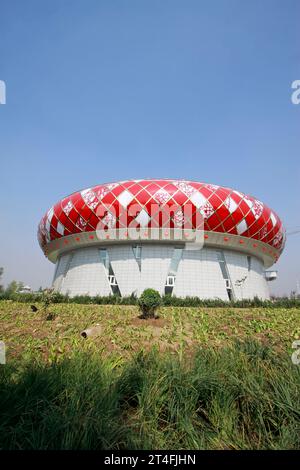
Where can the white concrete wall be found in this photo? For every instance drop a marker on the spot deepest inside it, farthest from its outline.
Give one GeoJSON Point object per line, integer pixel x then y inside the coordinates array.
{"type": "Point", "coordinates": [255, 283]}
{"type": "Point", "coordinates": [61, 270]}
{"type": "Point", "coordinates": [260, 285]}
{"type": "Point", "coordinates": [86, 275]}
{"type": "Point", "coordinates": [125, 269]}
{"type": "Point", "coordinates": [156, 260]}
{"type": "Point", "coordinates": [81, 272]}
{"type": "Point", "coordinates": [199, 275]}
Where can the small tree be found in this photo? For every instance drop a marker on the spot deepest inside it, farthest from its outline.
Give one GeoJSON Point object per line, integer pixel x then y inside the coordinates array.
{"type": "Point", "coordinates": [48, 298]}
{"type": "Point", "coordinates": [293, 294]}
{"type": "Point", "coordinates": [13, 287]}
{"type": "Point", "coordinates": [149, 302]}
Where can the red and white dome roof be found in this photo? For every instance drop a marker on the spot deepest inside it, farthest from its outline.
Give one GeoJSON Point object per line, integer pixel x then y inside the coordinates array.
{"type": "Point", "coordinates": [228, 214]}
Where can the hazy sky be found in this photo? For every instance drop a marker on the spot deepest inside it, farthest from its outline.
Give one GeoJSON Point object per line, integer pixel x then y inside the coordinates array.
{"type": "Point", "coordinates": [110, 90]}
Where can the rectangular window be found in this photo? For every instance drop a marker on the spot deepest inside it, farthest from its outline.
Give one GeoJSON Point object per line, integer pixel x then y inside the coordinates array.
{"type": "Point", "coordinates": [225, 273]}
{"type": "Point", "coordinates": [168, 290]}
{"type": "Point", "coordinates": [222, 263]}
{"type": "Point", "coordinates": [109, 271]}
{"type": "Point", "coordinates": [170, 281]}
{"type": "Point", "coordinates": [177, 254]}
{"type": "Point", "coordinates": [137, 251]}
{"type": "Point", "coordinates": [104, 258]}
{"type": "Point", "coordinates": [249, 262]}
{"type": "Point", "coordinates": [223, 269]}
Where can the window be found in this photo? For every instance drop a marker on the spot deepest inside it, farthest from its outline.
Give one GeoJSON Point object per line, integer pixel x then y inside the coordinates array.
{"type": "Point", "coordinates": [177, 254]}
{"type": "Point", "coordinates": [168, 290]}
{"type": "Point", "coordinates": [109, 271]}
{"type": "Point", "coordinates": [170, 282]}
{"type": "Point", "coordinates": [104, 258]}
{"type": "Point", "coordinates": [249, 262]}
{"type": "Point", "coordinates": [222, 263]}
{"type": "Point", "coordinates": [225, 273]}
{"type": "Point", "coordinates": [112, 280]}
{"type": "Point", "coordinates": [137, 251]}
{"type": "Point", "coordinates": [223, 269]}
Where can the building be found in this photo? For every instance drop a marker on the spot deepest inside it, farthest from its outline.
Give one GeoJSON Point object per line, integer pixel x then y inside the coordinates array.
{"type": "Point", "coordinates": [25, 290]}
{"type": "Point", "coordinates": [180, 237]}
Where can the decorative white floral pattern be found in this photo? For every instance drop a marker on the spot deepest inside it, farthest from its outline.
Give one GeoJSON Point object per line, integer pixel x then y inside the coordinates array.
{"type": "Point", "coordinates": [162, 196]}
{"type": "Point", "coordinates": [178, 218]}
{"type": "Point", "coordinates": [90, 198]}
{"type": "Point", "coordinates": [206, 210]}
{"type": "Point", "coordinates": [257, 208]}
{"type": "Point", "coordinates": [102, 192]}
{"type": "Point", "coordinates": [212, 187]}
{"type": "Point", "coordinates": [111, 186]}
{"type": "Point", "coordinates": [81, 223]}
{"type": "Point", "coordinates": [184, 187]}
{"type": "Point", "coordinates": [263, 232]}
{"type": "Point", "coordinates": [279, 239]}
{"type": "Point", "coordinates": [68, 207]}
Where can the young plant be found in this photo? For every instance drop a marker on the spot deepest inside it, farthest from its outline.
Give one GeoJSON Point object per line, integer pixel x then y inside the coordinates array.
{"type": "Point", "coordinates": [48, 298]}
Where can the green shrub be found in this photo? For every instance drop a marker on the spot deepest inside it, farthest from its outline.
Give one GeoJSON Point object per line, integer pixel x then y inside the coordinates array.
{"type": "Point", "coordinates": [166, 300]}
{"type": "Point", "coordinates": [149, 302]}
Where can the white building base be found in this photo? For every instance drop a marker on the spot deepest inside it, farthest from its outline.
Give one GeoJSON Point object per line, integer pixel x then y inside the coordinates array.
{"type": "Point", "coordinates": [207, 273]}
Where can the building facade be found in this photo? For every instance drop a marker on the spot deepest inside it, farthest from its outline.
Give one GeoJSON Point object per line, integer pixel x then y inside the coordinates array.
{"type": "Point", "coordinates": [181, 238]}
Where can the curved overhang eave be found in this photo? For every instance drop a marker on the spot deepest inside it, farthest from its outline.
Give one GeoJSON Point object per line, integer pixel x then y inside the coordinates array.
{"type": "Point", "coordinates": [227, 241]}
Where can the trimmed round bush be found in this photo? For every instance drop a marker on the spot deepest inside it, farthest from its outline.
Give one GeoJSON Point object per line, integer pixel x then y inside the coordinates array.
{"type": "Point", "coordinates": [149, 301]}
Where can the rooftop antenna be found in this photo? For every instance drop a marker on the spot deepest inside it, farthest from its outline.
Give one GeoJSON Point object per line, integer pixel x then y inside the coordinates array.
{"type": "Point", "coordinates": [294, 231]}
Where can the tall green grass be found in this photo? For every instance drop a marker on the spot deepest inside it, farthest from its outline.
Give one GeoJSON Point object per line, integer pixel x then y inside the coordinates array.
{"type": "Point", "coordinates": [242, 397]}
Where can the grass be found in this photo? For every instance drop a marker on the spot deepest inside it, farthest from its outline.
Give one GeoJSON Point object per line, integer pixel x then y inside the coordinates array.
{"type": "Point", "coordinates": [196, 378]}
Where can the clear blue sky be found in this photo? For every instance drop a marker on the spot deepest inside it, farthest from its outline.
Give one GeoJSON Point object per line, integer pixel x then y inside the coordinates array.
{"type": "Point", "coordinates": [110, 90]}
